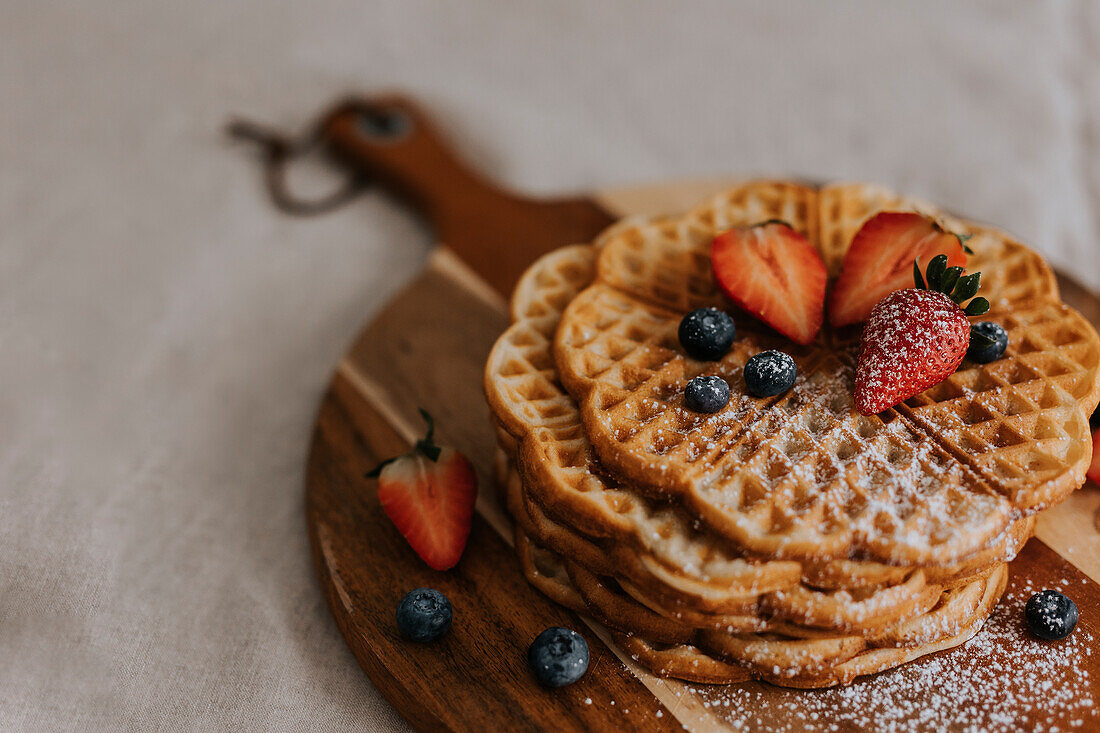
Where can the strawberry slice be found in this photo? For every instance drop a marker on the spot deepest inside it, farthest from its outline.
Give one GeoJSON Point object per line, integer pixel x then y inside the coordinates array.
{"type": "Point", "coordinates": [775, 274]}
{"type": "Point", "coordinates": [880, 261]}
{"type": "Point", "coordinates": [429, 495]}
{"type": "Point", "coordinates": [1093, 473]}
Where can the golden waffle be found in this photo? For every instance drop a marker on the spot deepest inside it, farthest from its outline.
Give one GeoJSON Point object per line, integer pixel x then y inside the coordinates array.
{"type": "Point", "coordinates": [786, 658]}
{"type": "Point", "coordinates": [660, 551]}
{"type": "Point", "coordinates": [701, 582]}
{"type": "Point", "coordinates": [867, 611]}
{"type": "Point", "coordinates": [803, 475]}
{"type": "Point", "coordinates": [657, 546]}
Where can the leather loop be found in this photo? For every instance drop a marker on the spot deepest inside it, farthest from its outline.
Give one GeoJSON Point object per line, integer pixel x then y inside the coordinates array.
{"type": "Point", "coordinates": [278, 150]}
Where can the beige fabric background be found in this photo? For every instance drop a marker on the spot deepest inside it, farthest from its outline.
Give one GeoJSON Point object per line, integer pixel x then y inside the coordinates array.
{"type": "Point", "coordinates": [165, 336]}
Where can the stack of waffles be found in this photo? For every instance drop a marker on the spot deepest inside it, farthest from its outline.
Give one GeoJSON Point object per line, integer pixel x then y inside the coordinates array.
{"type": "Point", "coordinates": [789, 539]}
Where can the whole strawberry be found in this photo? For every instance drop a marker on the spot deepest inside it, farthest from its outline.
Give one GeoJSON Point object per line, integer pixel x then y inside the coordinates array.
{"type": "Point", "coordinates": [916, 338]}
{"type": "Point", "coordinates": [429, 494]}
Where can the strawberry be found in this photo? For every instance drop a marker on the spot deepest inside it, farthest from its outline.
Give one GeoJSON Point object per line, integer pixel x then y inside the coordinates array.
{"type": "Point", "coordinates": [429, 494]}
{"type": "Point", "coordinates": [917, 337]}
{"type": "Point", "coordinates": [775, 274]}
{"type": "Point", "coordinates": [1093, 473]}
{"type": "Point", "coordinates": [879, 259]}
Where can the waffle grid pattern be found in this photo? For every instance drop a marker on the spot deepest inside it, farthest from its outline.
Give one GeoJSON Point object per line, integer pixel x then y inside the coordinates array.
{"type": "Point", "coordinates": [792, 523]}
{"type": "Point", "coordinates": [616, 353]}
{"type": "Point", "coordinates": [782, 656]}
{"type": "Point", "coordinates": [665, 536]}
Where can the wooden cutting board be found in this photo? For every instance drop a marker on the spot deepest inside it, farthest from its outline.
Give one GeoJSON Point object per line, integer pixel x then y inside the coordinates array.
{"type": "Point", "coordinates": [428, 347]}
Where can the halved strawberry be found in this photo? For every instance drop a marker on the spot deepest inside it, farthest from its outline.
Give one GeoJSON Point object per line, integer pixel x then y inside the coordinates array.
{"type": "Point", "coordinates": [880, 261]}
{"type": "Point", "coordinates": [429, 494]}
{"type": "Point", "coordinates": [1093, 473]}
{"type": "Point", "coordinates": [775, 274]}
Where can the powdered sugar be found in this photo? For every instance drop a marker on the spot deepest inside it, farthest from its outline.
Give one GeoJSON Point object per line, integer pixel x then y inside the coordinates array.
{"type": "Point", "coordinates": [1001, 680]}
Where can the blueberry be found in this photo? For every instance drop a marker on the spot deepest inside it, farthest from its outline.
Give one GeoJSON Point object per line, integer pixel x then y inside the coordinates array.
{"type": "Point", "coordinates": [558, 657]}
{"type": "Point", "coordinates": [769, 373]}
{"type": "Point", "coordinates": [1050, 615]}
{"type": "Point", "coordinates": [987, 342]}
{"type": "Point", "coordinates": [706, 394]}
{"type": "Point", "coordinates": [424, 615]}
{"type": "Point", "coordinates": [707, 333]}
{"type": "Point", "coordinates": [1094, 421]}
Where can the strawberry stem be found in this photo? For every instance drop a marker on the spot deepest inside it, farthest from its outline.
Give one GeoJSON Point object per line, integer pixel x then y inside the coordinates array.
{"type": "Point", "coordinates": [916, 275]}
{"type": "Point", "coordinates": [966, 288]}
{"type": "Point", "coordinates": [773, 221]}
{"type": "Point", "coordinates": [939, 226]}
{"type": "Point", "coordinates": [963, 239]}
{"type": "Point", "coordinates": [425, 446]}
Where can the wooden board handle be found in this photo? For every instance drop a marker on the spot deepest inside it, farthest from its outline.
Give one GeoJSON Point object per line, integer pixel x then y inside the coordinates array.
{"type": "Point", "coordinates": [391, 140]}
{"type": "Point", "coordinates": [497, 232]}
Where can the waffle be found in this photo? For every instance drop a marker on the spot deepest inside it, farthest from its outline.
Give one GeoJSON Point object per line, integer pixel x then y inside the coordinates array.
{"type": "Point", "coordinates": [526, 398]}
{"type": "Point", "coordinates": [707, 573]}
{"type": "Point", "coordinates": [702, 537]}
{"type": "Point", "coordinates": [666, 564]}
{"type": "Point", "coordinates": [800, 609]}
{"type": "Point", "coordinates": [803, 475]}
{"type": "Point", "coordinates": [785, 656]}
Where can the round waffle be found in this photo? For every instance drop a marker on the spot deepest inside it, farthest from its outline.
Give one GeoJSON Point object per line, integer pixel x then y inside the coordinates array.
{"type": "Point", "coordinates": [862, 609]}
{"type": "Point", "coordinates": [793, 516]}
{"type": "Point", "coordinates": [529, 402]}
{"type": "Point", "coordinates": [664, 555]}
{"type": "Point", "coordinates": [787, 656]}
{"type": "Point", "coordinates": [804, 475]}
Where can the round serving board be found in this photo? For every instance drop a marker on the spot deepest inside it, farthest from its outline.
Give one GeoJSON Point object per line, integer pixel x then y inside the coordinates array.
{"type": "Point", "coordinates": [427, 348]}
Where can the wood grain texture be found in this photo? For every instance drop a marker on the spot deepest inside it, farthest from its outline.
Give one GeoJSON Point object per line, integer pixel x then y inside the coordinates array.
{"type": "Point", "coordinates": [476, 676]}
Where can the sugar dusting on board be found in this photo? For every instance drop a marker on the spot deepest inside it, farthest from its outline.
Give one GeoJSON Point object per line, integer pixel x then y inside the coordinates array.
{"type": "Point", "coordinates": [1001, 680]}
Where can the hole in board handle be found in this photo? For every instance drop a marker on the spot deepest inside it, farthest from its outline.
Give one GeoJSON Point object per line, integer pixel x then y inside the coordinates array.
{"type": "Point", "coordinates": [384, 125]}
